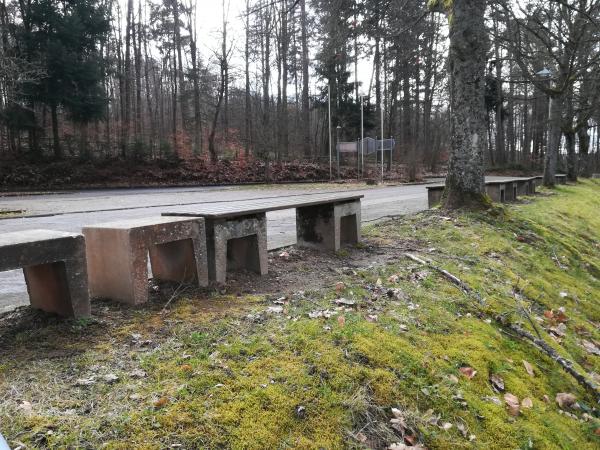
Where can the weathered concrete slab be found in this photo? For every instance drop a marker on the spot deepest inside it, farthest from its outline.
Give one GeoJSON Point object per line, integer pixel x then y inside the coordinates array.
{"type": "Point", "coordinates": [328, 226]}
{"type": "Point", "coordinates": [560, 178]}
{"type": "Point", "coordinates": [236, 243]}
{"type": "Point", "coordinates": [54, 265]}
{"type": "Point", "coordinates": [118, 255]}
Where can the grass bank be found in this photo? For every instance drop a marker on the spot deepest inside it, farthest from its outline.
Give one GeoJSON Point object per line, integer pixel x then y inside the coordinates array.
{"type": "Point", "coordinates": [390, 352]}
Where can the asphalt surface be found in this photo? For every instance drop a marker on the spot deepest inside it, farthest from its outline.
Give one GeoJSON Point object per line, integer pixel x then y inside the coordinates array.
{"type": "Point", "coordinates": [71, 211]}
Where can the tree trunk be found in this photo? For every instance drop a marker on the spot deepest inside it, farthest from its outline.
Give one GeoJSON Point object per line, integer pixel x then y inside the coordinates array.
{"type": "Point", "coordinates": [554, 137]}
{"type": "Point", "coordinates": [305, 100]}
{"type": "Point", "coordinates": [571, 156]}
{"type": "Point", "coordinates": [467, 59]}
{"type": "Point", "coordinates": [585, 166]}
{"type": "Point", "coordinates": [55, 138]}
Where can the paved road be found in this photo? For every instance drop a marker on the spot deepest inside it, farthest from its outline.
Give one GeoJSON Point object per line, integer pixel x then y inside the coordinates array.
{"type": "Point", "coordinates": [71, 211]}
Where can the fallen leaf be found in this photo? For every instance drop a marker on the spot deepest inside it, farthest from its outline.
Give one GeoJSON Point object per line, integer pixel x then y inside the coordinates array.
{"type": "Point", "coordinates": [284, 255]}
{"type": "Point", "coordinates": [186, 368]}
{"type": "Point", "coordinates": [274, 309]}
{"type": "Point", "coordinates": [111, 378]}
{"type": "Point", "coordinates": [360, 437]}
{"type": "Point", "coordinates": [512, 401]}
{"type": "Point", "coordinates": [26, 407]}
{"type": "Point", "coordinates": [597, 431]}
{"type": "Point", "coordinates": [561, 317]}
{"type": "Point", "coordinates": [161, 402]}
{"type": "Point", "coordinates": [565, 399]}
{"type": "Point", "coordinates": [339, 286]}
{"type": "Point", "coordinates": [137, 373]}
{"type": "Point", "coordinates": [528, 368]}
{"type": "Point", "coordinates": [468, 372]}
{"type": "Point", "coordinates": [497, 382]}
{"type": "Point", "coordinates": [590, 347]}
{"type": "Point", "coordinates": [344, 301]}
{"type": "Point", "coordinates": [393, 279]}
{"type": "Point", "coordinates": [341, 321]}
{"type": "Point", "coordinates": [379, 283]}
{"type": "Point", "coordinates": [446, 426]}
{"type": "Point", "coordinates": [526, 403]}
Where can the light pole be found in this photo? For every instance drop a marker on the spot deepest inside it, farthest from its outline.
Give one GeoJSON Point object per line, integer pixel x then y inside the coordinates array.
{"type": "Point", "coordinates": [329, 112]}
{"type": "Point", "coordinates": [337, 147]}
{"type": "Point", "coordinates": [362, 137]}
{"type": "Point", "coordinates": [382, 141]}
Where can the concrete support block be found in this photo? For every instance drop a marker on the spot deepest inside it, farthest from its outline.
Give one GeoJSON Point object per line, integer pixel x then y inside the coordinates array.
{"type": "Point", "coordinates": [434, 195]}
{"type": "Point", "coordinates": [560, 179]}
{"type": "Point", "coordinates": [511, 191]}
{"type": "Point", "coordinates": [526, 187]}
{"type": "Point", "coordinates": [497, 192]}
{"type": "Point", "coordinates": [328, 226]}
{"type": "Point", "coordinates": [118, 254]}
{"type": "Point", "coordinates": [236, 243]}
{"type": "Point", "coordinates": [54, 266]}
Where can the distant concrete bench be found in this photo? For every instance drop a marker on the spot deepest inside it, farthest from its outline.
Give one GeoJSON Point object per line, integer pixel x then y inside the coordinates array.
{"type": "Point", "coordinates": [117, 255]}
{"type": "Point", "coordinates": [560, 178]}
{"type": "Point", "coordinates": [434, 194]}
{"type": "Point", "coordinates": [526, 185]}
{"type": "Point", "coordinates": [237, 231]}
{"type": "Point", "coordinates": [596, 175]}
{"type": "Point", "coordinates": [54, 266]}
{"type": "Point", "coordinates": [504, 190]}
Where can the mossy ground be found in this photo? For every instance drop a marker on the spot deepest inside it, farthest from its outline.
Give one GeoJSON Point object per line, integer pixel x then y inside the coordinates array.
{"type": "Point", "coordinates": [235, 372]}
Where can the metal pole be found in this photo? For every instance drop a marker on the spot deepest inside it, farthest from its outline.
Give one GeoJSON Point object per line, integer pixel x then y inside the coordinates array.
{"type": "Point", "coordinates": [362, 138]}
{"type": "Point", "coordinates": [329, 108]}
{"type": "Point", "coordinates": [382, 140]}
{"type": "Point", "coordinates": [337, 150]}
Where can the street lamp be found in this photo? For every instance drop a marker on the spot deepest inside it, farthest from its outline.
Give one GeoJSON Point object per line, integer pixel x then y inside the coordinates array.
{"type": "Point", "coordinates": [337, 147]}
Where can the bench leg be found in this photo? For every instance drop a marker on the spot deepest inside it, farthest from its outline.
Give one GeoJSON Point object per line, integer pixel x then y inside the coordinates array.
{"type": "Point", "coordinates": [117, 270]}
{"type": "Point", "coordinates": [181, 261]}
{"type": "Point", "coordinates": [59, 287]}
{"type": "Point", "coordinates": [328, 226]}
{"type": "Point", "coordinates": [236, 244]}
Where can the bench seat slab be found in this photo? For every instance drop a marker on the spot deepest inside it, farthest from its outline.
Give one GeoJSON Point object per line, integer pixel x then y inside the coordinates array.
{"type": "Point", "coordinates": [118, 253]}
{"type": "Point", "coordinates": [54, 266]}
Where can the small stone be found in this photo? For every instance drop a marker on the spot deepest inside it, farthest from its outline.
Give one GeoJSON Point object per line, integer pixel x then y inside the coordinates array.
{"type": "Point", "coordinates": [300, 412]}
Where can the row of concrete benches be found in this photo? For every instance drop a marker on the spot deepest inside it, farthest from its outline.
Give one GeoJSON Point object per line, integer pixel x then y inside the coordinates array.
{"type": "Point", "coordinates": [63, 270]}
{"type": "Point", "coordinates": [501, 190]}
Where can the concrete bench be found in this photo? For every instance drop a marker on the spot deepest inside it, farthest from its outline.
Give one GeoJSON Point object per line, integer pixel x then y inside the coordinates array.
{"type": "Point", "coordinates": [526, 186]}
{"type": "Point", "coordinates": [503, 190]}
{"type": "Point", "coordinates": [54, 266]}
{"type": "Point", "coordinates": [595, 175]}
{"type": "Point", "coordinates": [560, 178]}
{"type": "Point", "coordinates": [117, 255]}
{"type": "Point", "coordinates": [237, 231]}
{"type": "Point", "coordinates": [434, 194]}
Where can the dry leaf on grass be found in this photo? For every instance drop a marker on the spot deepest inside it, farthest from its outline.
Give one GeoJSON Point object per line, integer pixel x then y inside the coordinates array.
{"type": "Point", "coordinates": [528, 368]}
{"type": "Point", "coordinates": [341, 321]}
{"type": "Point", "coordinates": [512, 401]}
{"type": "Point", "coordinates": [565, 400]}
{"type": "Point", "coordinates": [497, 382]}
{"type": "Point", "coordinates": [468, 372]}
{"type": "Point", "coordinates": [526, 403]}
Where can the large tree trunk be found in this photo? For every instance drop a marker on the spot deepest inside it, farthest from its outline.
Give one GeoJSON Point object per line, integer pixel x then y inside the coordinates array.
{"type": "Point", "coordinates": [305, 100]}
{"type": "Point", "coordinates": [467, 59]}
{"type": "Point", "coordinates": [571, 156]}
{"type": "Point", "coordinates": [55, 137]}
{"type": "Point", "coordinates": [585, 164]}
{"type": "Point", "coordinates": [554, 137]}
